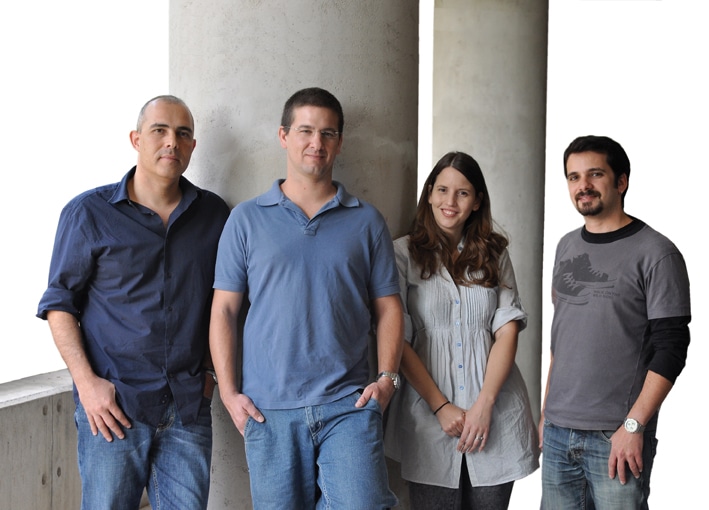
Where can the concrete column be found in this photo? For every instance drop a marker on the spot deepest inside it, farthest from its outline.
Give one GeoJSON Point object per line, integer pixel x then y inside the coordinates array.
{"type": "Point", "coordinates": [489, 100]}
{"type": "Point", "coordinates": [236, 62]}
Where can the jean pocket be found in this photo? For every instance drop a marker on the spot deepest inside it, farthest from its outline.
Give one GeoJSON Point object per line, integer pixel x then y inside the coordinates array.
{"type": "Point", "coordinates": [607, 434]}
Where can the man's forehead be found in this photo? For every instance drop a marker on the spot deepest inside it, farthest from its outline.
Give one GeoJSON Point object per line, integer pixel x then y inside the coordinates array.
{"type": "Point", "coordinates": [587, 160]}
{"type": "Point", "coordinates": [306, 113]}
{"type": "Point", "coordinates": [162, 112]}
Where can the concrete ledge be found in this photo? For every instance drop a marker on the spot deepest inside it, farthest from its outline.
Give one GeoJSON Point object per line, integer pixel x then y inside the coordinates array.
{"type": "Point", "coordinates": [35, 387]}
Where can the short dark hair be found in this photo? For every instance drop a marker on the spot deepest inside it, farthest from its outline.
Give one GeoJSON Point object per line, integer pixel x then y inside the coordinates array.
{"type": "Point", "coordinates": [312, 96]}
{"type": "Point", "coordinates": [615, 155]}
{"type": "Point", "coordinates": [167, 98]}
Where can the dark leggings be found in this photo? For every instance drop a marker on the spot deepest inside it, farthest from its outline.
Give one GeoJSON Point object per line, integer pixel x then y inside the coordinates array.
{"type": "Point", "coordinates": [465, 497]}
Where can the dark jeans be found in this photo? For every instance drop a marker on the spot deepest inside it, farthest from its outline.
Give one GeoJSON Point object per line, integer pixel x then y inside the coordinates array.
{"type": "Point", "coordinates": [465, 497]}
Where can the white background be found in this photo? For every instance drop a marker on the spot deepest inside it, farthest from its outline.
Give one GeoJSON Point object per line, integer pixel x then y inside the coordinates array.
{"type": "Point", "coordinates": [75, 73]}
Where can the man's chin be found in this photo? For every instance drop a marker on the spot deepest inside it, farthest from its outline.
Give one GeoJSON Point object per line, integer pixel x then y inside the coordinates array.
{"type": "Point", "coordinates": [590, 211]}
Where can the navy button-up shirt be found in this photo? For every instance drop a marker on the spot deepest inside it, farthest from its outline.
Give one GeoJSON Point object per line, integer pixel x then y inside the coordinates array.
{"type": "Point", "coordinates": [140, 291]}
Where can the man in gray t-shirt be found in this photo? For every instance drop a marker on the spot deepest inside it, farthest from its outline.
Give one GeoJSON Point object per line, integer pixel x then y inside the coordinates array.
{"type": "Point", "coordinates": [619, 340]}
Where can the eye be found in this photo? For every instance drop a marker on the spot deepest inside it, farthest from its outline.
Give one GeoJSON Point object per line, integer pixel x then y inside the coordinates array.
{"type": "Point", "coordinates": [305, 131]}
{"type": "Point", "coordinates": [463, 193]}
{"type": "Point", "coordinates": [571, 178]}
{"type": "Point", "coordinates": [329, 134]}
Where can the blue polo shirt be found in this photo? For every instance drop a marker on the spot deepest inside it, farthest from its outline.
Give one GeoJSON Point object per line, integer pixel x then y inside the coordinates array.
{"type": "Point", "coordinates": [141, 292]}
{"type": "Point", "coordinates": [309, 283]}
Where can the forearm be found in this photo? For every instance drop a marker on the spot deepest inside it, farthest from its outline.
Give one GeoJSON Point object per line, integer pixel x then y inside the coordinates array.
{"type": "Point", "coordinates": [655, 390]}
{"type": "Point", "coordinates": [223, 338]}
{"type": "Point", "coordinates": [546, 386]}
{"type": "Point", "coordinates": [390, 332]}
{"type": "Point", "coordinates": [69, 341]}
{"type": "Point", "coordinates": [420, 379]}
{"type": "Point", "coordinates": [499, 362]}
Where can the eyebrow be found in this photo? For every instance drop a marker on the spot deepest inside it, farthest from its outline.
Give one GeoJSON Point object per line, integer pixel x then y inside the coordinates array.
{"type": "Point", "coordinates": [308, 126]}
{"type": "Point", "coordinates": [162, 125]}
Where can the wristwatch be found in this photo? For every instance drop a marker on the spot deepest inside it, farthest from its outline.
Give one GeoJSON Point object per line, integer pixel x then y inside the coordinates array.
{"type": "Point", "coordinates": [633, 426]}
{"type": "Point", "coordinates": [391, 375]}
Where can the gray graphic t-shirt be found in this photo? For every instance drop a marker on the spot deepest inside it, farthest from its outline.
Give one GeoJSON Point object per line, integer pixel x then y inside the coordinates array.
{"type": "Point", "coordinates": [606, 287]}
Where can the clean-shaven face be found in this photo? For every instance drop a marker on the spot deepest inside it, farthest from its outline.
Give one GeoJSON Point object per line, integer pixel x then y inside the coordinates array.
{"type": "Point", "coordinates": [453, 199]}
{"type": "Point", "coordinates": [309, 152]}
{"type": "Point", "coordinates": [165, 141]}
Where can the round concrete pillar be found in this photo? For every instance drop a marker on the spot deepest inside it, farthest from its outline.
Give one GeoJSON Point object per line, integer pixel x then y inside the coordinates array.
{"type": "Point", "coordinates": [489, 100]}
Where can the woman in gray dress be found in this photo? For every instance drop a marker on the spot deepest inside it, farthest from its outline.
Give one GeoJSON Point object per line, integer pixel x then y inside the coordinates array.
{"type": "Point", "coordinates": [461, 426]}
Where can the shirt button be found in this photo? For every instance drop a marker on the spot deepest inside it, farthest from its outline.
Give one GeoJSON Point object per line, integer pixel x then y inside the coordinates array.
{"type": "Point", "coordinates": [457, 301]}
{"type": "Point", "coordinates": [460, 366]}
{"type": "Point", "coordinates": [458, 344]}
{"type": "Point", "coordinates": [461, 387]}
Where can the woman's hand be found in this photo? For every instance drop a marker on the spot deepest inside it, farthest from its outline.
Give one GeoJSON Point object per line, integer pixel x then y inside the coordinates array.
{"type": "Point", "coordinates": [452, 419]}
{"type": "Point", "coordinates": [477, 427]}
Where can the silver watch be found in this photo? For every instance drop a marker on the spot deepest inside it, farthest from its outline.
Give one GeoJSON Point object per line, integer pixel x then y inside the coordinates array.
{"type": "Point", "coordinates": [633, 426]}
{"type": "Point", "coordinates": [391, 375]}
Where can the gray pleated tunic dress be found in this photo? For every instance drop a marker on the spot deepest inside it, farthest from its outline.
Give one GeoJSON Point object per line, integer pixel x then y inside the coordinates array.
{"type": "Point", "coordinates": [451, 328]}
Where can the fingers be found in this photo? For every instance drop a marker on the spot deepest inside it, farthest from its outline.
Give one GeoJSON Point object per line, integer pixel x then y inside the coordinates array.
{"type": "Point", "coordinates": [108, 424]}
{"type": "Point", "coordinates": [364, 398]}
{"type": "Point", "coordinates": [472, 443]}
{"type": "Point", "coordinates": [619, 469]}
{"type": "Point", "coordinates": [621, 473]}
{"type": "Point", "coordinates": [240, 408]}
{"type": "Point", "coordinates": [452, 420]}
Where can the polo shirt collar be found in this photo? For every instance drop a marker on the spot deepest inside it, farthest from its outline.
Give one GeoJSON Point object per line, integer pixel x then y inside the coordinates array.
{"type": "Point", "coordinates": [274, 196]}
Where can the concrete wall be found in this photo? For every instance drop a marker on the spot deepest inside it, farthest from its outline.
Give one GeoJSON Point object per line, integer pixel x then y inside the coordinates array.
{"type": "Point", "coordinates": [489, 100]}
{"type": "Point", "coordinates": [238, 66]}
{"type": "Point", "coordinates": [38, 444]}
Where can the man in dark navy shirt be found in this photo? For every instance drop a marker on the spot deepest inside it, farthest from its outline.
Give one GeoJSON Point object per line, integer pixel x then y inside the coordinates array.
{"type": "Point", "coordinates": [128, 304]}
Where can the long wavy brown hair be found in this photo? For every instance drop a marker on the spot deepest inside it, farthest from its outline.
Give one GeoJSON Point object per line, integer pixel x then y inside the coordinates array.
{"type": "Point", "coordinates": [431, 248]}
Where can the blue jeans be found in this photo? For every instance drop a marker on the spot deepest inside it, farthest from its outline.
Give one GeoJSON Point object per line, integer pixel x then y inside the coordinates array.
{"type": "Point", "coordinates": [324, 456]}
{"type": "Point", "coordinates": [171, 461]}
{"type": "Point", "coordinates": [575, 471]}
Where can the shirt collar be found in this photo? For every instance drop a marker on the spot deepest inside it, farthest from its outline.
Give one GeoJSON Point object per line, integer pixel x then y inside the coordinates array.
{"type": "Point", "coordinates": [190, 192]}
{"type": "Point", "coordinates": [275, 196]}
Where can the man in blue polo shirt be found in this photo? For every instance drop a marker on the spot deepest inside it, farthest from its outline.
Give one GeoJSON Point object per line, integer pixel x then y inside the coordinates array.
{"type": "Point", "coordinates": [312, 261]}
{"type": "Point", "coordinates": [128, 303]}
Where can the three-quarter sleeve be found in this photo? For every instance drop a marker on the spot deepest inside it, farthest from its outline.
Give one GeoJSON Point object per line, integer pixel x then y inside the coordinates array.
{"type": "Point", "coordinates": [509, 305]}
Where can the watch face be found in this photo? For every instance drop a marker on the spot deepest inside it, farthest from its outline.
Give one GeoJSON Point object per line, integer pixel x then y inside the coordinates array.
{"type": "Point", "coordinates": [631, 425]}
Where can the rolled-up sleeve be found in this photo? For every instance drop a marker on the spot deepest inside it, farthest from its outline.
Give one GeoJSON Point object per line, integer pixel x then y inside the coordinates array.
{"type": "Point", "coordinates": [71, 266]}
{"type": "Point", "coordinates": [509, 305]}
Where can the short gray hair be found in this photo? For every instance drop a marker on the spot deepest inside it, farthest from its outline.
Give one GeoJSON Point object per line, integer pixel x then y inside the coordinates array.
{"type": "Point", "coordinates": [167, 98]}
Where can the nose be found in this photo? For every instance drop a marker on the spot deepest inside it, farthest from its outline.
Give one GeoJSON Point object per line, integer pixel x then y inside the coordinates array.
{"type": "Point", "coordinates": [171, 140]}
{"type": "Point", "coordinates": [583, 183]}
{"type": "Point", "coordinates": [316, 140]}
